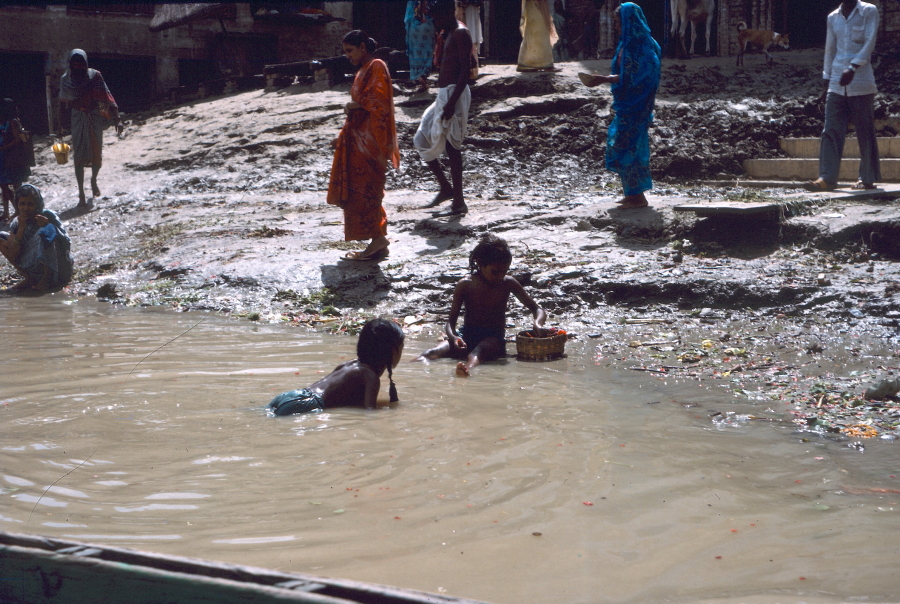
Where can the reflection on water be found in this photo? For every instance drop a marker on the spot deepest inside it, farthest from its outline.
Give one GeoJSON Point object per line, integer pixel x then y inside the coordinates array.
{"type": "Point", "coordinates": [556, 482]}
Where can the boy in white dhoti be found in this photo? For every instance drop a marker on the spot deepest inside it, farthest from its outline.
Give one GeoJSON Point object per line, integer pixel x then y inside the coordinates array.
{"type": "Point", "coordinates": [446, 119]}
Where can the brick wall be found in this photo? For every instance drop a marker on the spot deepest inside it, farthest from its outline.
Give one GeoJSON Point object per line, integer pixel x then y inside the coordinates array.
{"type": "Point", "coordinates": [889, 36]}
{"type": "Point", "coordinates": [54, 30]}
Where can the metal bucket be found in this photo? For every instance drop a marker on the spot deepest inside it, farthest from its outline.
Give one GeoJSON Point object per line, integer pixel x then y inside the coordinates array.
{"type": "Point", "coordinates": [61, 151]}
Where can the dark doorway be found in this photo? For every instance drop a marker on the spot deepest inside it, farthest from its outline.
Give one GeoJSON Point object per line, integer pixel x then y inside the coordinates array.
{"type": "Point", "coordinates": [132, 81]}
{"type": "Point", "coordinates": [504, 35]}
{"type": "Point", "coordinates": [655, 12]}
{"type": "Point", "coordinates": [22, 80]}
{"type": "Point", "coordinates": [383, 21]}
{"type": "Point", "coordinates": [192, 72]}
{"type": "Point", "coordinates": [806, 22]}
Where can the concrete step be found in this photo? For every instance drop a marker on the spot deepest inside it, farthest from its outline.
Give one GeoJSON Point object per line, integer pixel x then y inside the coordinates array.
{"type": "Point", "coordinates": [808, 169]}
{"type": "Point", "coordinates": [809, 147]}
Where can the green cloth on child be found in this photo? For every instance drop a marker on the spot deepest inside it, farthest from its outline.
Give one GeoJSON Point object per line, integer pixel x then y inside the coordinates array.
{"type": "Point", "coordinates": [297, 401]}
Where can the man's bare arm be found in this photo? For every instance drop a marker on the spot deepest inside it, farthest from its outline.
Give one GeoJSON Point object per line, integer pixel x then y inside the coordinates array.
{"type": "Point", "coordinates": [462, 42]}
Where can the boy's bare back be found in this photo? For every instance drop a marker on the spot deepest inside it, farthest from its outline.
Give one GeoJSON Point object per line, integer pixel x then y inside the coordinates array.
{"type": "Point", "coordinates": [456, 57]}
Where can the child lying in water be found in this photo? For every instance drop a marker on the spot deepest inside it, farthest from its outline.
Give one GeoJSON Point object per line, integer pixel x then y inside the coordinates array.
{"type": "Point", "coordinates": [485, 294]}
{"type": "Point", "coordinates": [354, 383]}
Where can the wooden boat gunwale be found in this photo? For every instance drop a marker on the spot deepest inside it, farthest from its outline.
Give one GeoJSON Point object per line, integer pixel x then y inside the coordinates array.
{"type": "Point", "coordinates": [45, 569]}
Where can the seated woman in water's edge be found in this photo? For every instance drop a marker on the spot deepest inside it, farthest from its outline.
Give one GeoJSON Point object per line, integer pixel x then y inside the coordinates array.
{"type": "Point", "coordinates": [355, 383]}
{"type": "Point", "coordinates": [37, 244]}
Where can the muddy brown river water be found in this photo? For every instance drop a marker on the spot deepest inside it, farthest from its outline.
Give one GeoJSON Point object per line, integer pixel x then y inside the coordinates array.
{"type": "Point", "coordinates": [530, 482]}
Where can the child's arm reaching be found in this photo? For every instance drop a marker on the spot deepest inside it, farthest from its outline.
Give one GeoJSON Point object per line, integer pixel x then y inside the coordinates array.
{"type": "Point", "coordinates": [453, 337]}
{"type": "Point", "coordinates": [540, 316]}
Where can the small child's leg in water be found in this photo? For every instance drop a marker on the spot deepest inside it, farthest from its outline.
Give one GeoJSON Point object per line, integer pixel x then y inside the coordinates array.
{"type": "Point", "coordinates": [443, 350]}
{"type": "Point", "coordinates": [438, 352]}
{"type": "Point", "coordinates": [488, 349]}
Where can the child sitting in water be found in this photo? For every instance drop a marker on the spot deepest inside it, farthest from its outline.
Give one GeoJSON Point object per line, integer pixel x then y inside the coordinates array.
{"type": "Point", "coordinates": [485, 294]}
{"type": "Point", "coordinates": [354, 383]}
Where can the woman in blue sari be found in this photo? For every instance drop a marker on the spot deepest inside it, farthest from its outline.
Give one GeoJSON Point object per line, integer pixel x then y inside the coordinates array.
{"type": "Point", "coordinates": [635, 78]}
{"type": "Point", "coordinates": [37, 244]}
{"type": "Point", "coordinates": [419, 42]}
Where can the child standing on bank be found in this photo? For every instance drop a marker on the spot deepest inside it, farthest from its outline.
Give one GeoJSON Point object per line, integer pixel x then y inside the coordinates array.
{"type": "Point", "coordinates": [14, 168]}
{"type": "Point", "coordinates": [354, 383]}
{"type": "Point", "coordinates": [485, 294]}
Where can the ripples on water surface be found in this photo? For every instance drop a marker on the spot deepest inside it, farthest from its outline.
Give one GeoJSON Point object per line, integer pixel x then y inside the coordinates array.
{"type": "Point", "coordinates": [549, 482]}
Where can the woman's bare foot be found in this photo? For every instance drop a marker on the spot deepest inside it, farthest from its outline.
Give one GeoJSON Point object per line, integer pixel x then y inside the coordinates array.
{"type": "Point", "coordinates": [462, 370]}
{"type": "Point", "coordinates": [633, 201]}
{"type": "Point", "coordinates": [95, 189]}
{"type": "Point", "coordinates": [82, 200]}
{"type": "Point", "coordinates": [378, 246]}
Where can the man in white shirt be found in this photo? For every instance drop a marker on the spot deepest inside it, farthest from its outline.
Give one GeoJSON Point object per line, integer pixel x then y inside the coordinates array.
{"type": "Point", "coordinates": [850, 88]}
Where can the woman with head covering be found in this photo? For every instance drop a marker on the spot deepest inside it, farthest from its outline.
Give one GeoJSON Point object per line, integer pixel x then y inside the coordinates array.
{"type": "Point", "coordinates": [634, 80]}
{"type": "Point", "coordinates": [84, 96]}
{"type": "Point", "coordinates": [14, 168]}
{"type": "Point", "coordinates": [37, 244]}
{"type": "Point", "coordinates": [364, 148]}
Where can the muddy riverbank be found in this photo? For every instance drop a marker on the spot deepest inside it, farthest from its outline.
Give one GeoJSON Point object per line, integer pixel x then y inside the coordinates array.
{"type": "Point", "coordinates": [219, 205]}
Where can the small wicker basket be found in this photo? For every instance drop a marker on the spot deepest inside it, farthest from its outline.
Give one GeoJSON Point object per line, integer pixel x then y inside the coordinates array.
{"type": "Point", "coordinates": [543, 346]}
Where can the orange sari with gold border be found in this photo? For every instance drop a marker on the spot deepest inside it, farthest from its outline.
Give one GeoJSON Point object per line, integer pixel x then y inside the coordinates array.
{"type": "Point", "coordinates": [367, 142]}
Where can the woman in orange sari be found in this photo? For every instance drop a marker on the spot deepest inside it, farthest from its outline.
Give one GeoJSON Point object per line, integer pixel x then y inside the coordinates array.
{"type": "Point", "coordinates": [365, 146]}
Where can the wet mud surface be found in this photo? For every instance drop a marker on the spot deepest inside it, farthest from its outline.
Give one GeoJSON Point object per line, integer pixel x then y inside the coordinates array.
{"type": "Point", "coordinates": [219, 205]}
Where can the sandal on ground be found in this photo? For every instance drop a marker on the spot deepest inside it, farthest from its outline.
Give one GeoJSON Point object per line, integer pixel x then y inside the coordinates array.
{"type": "Point", "coordinates": [818, 186]}
{"type": "Point", "coordinates": [861, 186]}
{"type": "Point", "coordinates": [375, 256]}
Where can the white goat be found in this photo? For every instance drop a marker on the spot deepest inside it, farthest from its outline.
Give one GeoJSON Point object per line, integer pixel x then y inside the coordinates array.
{"type": "Point", "coordinates": [693, 11]}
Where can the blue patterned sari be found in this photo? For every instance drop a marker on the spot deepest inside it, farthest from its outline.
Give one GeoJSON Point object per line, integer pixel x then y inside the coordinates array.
{"type": "Point", "coordinates": [419, 38]}
{"type": "Point", "coordinates": [637, 63]}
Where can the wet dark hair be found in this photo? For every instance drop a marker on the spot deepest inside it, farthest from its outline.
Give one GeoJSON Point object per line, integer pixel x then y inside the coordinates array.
{"type": "Point", "coordinates": [358, 37]}
{"type": "Point", "coordinates": [490, 250]}
{"type": "Point", "coordinates": [378, 340]}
